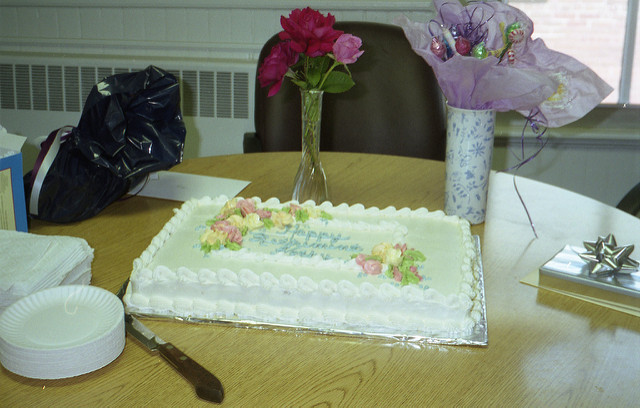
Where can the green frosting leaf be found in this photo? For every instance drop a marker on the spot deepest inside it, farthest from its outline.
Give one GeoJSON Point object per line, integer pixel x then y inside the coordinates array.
{"type": "Point", "coordinates": [302, 215]}
{"type": "Point", "coordinates": [268, 223]}
{"type": "Point", "coordinates": [416, 255]}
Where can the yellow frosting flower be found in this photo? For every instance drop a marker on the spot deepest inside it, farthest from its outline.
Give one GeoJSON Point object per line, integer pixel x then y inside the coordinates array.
{"type": "Point", "coordinates": [393, 256]}
{"type": "Point", "coordinates": [229, 206]}
{"type": "Point", "coordinates": [212, 236]}
{"type": "Point", "coordinates": [381, 249]}
{"type": "Point", "coordinates": [281, 219]}
{"type": "Point", "coordinates": [252, 221]}
{"type": "Point", "coordinates": [236, 220]}
{"type": "Point", "coordinates": [314, 212]}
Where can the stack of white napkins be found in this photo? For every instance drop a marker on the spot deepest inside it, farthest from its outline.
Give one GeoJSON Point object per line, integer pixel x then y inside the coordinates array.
{"type": "Point", "coordinates": [30, 262]}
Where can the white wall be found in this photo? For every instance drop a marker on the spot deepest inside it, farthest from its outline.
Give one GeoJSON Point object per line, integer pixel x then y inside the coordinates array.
{"type": "Point", "coordinates": [599, 157]}
{"type": "Point", "coordinates": [210, 36]}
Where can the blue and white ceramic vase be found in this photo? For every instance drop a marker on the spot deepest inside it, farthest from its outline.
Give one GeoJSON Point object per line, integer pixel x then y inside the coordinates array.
{"type": "Point", "coordinates": [468, 162]}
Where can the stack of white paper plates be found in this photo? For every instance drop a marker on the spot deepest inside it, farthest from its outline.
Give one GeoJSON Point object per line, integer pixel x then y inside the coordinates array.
{"type": "Point", "coordinates": [62, 332]}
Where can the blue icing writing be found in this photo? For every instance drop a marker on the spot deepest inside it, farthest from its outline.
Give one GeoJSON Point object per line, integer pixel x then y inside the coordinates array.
{"type": "Point", "coordinates": [304, 242]}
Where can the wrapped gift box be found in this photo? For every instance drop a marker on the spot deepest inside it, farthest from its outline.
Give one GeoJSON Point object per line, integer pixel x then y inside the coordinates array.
{"type": "Point", "coordinates": [568, 272]}
{"type": "Point", "coordinates": [568, 265]}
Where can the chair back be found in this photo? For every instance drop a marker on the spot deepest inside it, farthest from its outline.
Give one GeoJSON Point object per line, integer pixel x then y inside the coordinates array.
{"type": "Point", "coordinates": [395, 107]}
{"type": "Point", "coordinates": [630, 203]}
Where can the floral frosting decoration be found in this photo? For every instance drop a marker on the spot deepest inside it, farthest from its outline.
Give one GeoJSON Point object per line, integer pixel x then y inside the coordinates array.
{"type": "Point", "coordinates": [309, 53]}
{"type": "Point", "coordinates": [240, 216]}
{"type": "Point", "coordinates": [401, 262]}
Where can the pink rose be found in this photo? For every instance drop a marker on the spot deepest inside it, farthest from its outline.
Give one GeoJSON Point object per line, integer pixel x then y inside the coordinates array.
{"type": "Point", "coordinates": [309, 31]}
{"type": "Point", "coordinates": [397, 275]}
{"type": "Point", "coordinates": [233, 233]}
{"type": "Point", "coordinates": [275, 66]}
{"type": "Point", "coordinates": [372, 267]}
{"type": "Point", "coordinates": [402, 248]}
{"type": "Point", "coordinates": [246, 207]}
{"type": "Point", "coordinates": [415, 272]}
{"type": "Point", "coordinates": [360, 259]}
{"type": "Point", "coordinates": [347, 48]}
{"type": "Point", "coordinates": [293, 208]}
{"type": "Point", "coordinates": [263, 214]}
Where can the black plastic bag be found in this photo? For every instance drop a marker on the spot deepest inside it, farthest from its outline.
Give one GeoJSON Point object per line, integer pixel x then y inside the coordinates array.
{"type": "Point", "coordinates": [131, 125]}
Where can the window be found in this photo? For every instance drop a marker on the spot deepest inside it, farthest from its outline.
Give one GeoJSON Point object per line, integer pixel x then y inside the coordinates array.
{"type": "Point", "coordinates": [601, 34]}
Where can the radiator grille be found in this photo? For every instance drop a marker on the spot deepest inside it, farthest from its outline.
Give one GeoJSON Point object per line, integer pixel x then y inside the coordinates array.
{"type": "Point", "coordinates": [213, 94]}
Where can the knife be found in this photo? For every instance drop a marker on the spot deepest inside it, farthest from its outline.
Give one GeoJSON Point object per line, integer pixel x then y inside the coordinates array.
{"type": "Point", "coordinates": [207, 386]}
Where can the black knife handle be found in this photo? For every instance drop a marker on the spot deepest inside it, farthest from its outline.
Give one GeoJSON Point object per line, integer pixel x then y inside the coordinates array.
{"type": "Point", "coordinates": [207, 386]}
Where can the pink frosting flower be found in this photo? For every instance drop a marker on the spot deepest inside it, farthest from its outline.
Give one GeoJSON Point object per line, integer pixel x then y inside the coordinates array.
{"type": "Point", "coordinates": [263, 213]}
{"type": "Point", "coordinates": [397, 275]}
{"type": "Point", "coordinates": [347, 48]}
{"type": "Point", "coordinates": [293, 208]}
{"type": "Point", "coordinates": [309, 31]}
{"type": "Point", "coordinates": [246, 207]}
{"type": "Point", "coordinates": [275, 66]}
{"type": "Point", "coordinates": [414, 270]}
{"type": "Point", "coordinates": [233, 233]}
{"type": "Point", "coordinates": [369, 266]}
{"type": "Point", "coordinates": [372, 267]}
{"type": "Point", "coordinates": [402, 248]}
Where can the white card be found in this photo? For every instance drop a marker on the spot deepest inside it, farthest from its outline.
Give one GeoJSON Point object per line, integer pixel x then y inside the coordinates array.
{"type": "Point", "coordinates": [175, 186]}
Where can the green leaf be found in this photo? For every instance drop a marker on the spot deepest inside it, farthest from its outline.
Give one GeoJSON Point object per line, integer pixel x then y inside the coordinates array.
{"type": "Point", "coordinates": [389, 272]}
{"type": "Point", "coordinates": [206, 247]}
{"type": "Point", "coordinates": [302, 215]}
{"type": "Point", "coordinates": [234, 246]}
{"type": "Point", "coordinates": [337, 82]}
{"type": "Point", "coordinates": [416, 255]}
{"type": "Point", "coordinates": [326, 215]}
{"type": "Point", "coordinates": [316, 69]}
{"type": "Point", "coordinates": [268, 223]}
{"type": "Point", "coordinates": [300, 83]}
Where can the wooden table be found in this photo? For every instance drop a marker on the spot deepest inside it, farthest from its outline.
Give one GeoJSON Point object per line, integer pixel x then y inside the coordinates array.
{"type": "Point", "coordinates": [545, 349]}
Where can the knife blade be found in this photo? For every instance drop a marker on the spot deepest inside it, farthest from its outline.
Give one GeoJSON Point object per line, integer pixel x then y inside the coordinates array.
{"type": "Point", "coordinates": [207, 385]}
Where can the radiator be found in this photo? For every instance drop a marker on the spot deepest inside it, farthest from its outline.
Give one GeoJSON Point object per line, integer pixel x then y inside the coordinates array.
{"type": "Point", "coordinates": [37, 96]}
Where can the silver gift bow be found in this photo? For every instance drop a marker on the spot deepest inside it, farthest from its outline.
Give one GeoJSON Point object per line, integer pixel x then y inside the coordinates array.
{"type": "Point", "coordinates": [605, 258]}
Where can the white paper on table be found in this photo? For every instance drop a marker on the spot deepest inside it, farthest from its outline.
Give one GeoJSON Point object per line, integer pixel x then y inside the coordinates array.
{"type": "Point", "coordinates": [183, 186]}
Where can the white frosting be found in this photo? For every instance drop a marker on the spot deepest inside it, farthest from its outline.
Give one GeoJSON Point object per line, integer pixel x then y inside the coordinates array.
{"type": "Point", "coordinates": [304, 275]}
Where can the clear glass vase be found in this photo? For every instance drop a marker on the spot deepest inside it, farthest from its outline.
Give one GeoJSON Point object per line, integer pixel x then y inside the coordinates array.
{"type": "Point", "coordinates": [310, 182]}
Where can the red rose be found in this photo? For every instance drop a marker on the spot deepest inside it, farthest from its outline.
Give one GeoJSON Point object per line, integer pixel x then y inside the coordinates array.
{"type": "Point", "coordinates": [309, 31]}
{"type": "Point", "coordinates": [275, 66]}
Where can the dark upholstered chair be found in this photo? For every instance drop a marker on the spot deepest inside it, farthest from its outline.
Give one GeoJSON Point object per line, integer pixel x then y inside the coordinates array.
{"type": "Point", "coordinates": [396, 106]}
{"type": "Point", "coordinates": [631, 201]}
